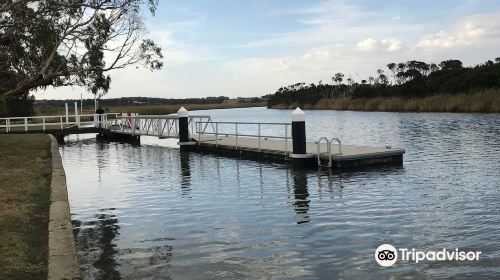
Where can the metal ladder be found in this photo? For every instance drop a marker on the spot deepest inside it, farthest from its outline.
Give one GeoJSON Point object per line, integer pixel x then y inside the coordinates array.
{"type": "Point", "coordinates": [328, 150]}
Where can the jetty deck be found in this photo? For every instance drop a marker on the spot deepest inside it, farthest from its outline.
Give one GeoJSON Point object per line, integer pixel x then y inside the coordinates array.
{"type": "Point", "coordinates": [340, 156]}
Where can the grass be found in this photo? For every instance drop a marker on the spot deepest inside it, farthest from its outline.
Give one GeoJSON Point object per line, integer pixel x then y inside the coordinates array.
{"type": "Point", "coordinates": [145, 109]}
{"type": "Point", "coordinates": [25, 175]}
{"type": "Point", "coordinates": [487, 101]}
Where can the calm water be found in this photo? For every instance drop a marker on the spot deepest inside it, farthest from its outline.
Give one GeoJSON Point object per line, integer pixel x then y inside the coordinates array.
{"type": "Point", "coordinates": [152, 212]}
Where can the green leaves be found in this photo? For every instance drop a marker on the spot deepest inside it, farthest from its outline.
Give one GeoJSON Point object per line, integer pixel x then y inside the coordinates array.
{"type": "Point", "coordinates": [72, 43]}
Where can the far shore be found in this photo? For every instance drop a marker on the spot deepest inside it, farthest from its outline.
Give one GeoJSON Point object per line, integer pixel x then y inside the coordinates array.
{"type": "Point", "coordinates": [148, 109]}
{"type": "Point", "coordinates": [481, 102]}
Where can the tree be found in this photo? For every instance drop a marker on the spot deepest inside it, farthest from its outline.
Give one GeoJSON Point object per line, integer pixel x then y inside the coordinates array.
{"type": "Point", "coordinates": [60, 43]}
{"type": "Point", "coordinates": [450, 64]}
{"type": "Point", "coordinates": [392, 67]}
{"type": "Point", "coordinates": [433, 67]}
{"type": "Point", "coordinates": [19, 106]}
{"type": "Point", "coordinates": [338, 78]}
{"type": "Point", "coordinates": [371, 79]}
{"type": "Point", "coordinates": [497, 60]}
{"type": "Point", "coordinates": [400, 69]}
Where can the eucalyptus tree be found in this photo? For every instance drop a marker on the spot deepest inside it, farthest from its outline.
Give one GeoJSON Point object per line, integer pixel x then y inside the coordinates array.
{"type": "Point", "coordinates": [433, 67]}
{"type": "Point", "coordinates": [450, 64]}
{"type": "Point", "coordinates": [72, 42]}
{"type": "Point", "coordinates": [392, 67]}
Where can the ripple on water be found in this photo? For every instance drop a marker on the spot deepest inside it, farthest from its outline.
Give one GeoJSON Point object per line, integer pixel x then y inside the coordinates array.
{"type": "Point", "coordinates": [153, 212]}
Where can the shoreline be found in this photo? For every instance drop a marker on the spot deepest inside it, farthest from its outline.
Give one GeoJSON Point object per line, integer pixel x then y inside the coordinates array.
{"type": "Point", "coordinates": [62, 259]}
{"type": "Point", "coordinates": [149, 109]}
{"type": "Point", "coordinates": [481, 102]}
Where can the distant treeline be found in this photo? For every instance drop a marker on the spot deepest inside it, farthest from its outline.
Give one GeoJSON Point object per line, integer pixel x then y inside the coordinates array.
{"type": "Point", "coordinates": [131, 101]}
{"type": "Point", "coordinates": [411, 79]}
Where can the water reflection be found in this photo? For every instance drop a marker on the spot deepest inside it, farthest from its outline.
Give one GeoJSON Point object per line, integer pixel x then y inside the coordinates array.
{"type": "Point", "coordinates": [194, 216]}
{"type": "Point", "coordinates": [301, 195]}
{"type": "Point", "coordinates": [185, 172]}
{"type": "Point", "coordinates": [95, 244]}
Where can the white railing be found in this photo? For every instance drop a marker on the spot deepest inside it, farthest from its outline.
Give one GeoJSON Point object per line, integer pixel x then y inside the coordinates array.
{"type": "Point", "coordinates": [152, 125]}
{"type": "Point", "coordinates": [44, 123]}
{"type": "Point", "coordinates": [236, 128]}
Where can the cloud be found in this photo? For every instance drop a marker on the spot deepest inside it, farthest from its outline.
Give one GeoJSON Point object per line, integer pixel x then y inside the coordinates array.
{"type": "Point", "coordinates": [469, 30]}
{"type": "Point", "coordinates": [392, 45]}
{"type": "Point", "coordinates": [332, 36]}
{"type": "Point", "coordinates": [333, 22]}
{"type": "Point", "coordinates": [369, 44]}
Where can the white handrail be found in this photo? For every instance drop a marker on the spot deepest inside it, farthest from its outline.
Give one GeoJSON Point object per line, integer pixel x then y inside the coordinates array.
{"type": "Point", "coordinates": [237, 133]}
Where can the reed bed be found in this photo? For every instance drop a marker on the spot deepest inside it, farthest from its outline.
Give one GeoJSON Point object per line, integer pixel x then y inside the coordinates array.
{"type": "Point", "coordinates": [487, 101]}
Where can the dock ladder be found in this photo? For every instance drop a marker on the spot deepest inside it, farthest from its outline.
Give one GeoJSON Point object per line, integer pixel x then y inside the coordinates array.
{"type": "Point", "coordinates": [328, 150]}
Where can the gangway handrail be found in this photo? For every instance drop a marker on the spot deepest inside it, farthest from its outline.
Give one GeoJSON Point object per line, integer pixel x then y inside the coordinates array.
{"type": "Point", "coordinates": [153, 125]}
{"type": "Point", "coordinates": [236, 134]}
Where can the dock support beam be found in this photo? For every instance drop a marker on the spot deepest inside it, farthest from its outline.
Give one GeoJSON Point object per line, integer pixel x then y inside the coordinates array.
{"type": "Point", "coordinates": [184, 140]}
{"type": "Point", "coordinates": [299, 155]}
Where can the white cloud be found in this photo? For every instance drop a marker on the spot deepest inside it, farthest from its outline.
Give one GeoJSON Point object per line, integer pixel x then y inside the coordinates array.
{"type": "Point", "coordinates": [392, 45]}
{"type": "Point", "coordinates": [369, 44]}
{"type": "Point", "coordinates": [469, 30]}
{"type": "Point", "coordinates": [396, 18]}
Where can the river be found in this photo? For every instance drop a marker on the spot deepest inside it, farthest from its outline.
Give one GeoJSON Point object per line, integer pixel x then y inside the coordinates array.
{"type": "Point", "coordinates": [152, 212]}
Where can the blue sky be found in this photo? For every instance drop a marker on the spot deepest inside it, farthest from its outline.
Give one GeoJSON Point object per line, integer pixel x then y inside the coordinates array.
{"type": "Point", "coordinates": [251, 48]}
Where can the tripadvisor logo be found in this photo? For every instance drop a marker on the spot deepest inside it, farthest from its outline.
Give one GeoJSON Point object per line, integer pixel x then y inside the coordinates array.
{"type": "Point", "coordinates": [387, 255]}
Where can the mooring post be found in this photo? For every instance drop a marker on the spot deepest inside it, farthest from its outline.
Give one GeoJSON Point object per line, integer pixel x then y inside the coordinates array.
{"type": "Point", "coordinates": [299, 153]}
{"type": "Point", "coordinates": [184, 140]}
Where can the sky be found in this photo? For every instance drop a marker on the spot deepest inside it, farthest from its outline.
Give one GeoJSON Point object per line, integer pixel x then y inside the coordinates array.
{"type": "Point", "coordinates": [253, 47]}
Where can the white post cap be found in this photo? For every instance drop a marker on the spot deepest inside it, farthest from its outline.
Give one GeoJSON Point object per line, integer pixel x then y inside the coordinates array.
{"type": "Point", "coordinates": [298, 115]}
{"type": "Point", "coordinates": [182, 113]}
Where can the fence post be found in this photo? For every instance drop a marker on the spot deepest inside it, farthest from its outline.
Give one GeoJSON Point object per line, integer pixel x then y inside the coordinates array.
{"type": "Point", "coordinates": [236, 145]}
{"type": "Point", "coordinates": [286, 139]}
{"type": "Point", "coordinates": [77, 118]}
{"type": "Point", "coordinates": [216, 134]}
{"type": "Point", "coordinates": [25, 124]}
{"type": "Point", "coordinates": [259, 136]}
{"type": "Point", "coordinates": [67, 112]}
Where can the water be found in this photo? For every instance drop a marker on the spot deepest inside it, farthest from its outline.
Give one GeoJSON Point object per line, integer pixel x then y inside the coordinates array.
{"type": "Point", "coordinates": [152, 212]}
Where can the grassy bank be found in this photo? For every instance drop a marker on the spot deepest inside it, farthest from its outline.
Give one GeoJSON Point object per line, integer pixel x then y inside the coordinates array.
{"type": "Point", "coordinates": [484, 101]}
{"type": "Point", "coordinates": [145, 109]}
{"type": "Point", "coordinates": [25, 175]}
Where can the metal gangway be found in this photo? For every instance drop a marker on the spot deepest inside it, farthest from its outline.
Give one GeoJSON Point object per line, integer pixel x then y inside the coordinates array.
{"type": "Point", "coordinates": [162, 126]}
